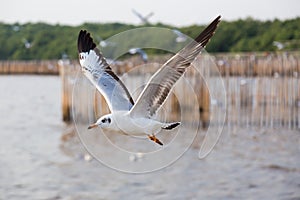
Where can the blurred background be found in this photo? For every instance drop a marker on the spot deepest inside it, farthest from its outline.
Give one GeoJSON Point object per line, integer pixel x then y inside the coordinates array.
{"type": "Point", "coordinates": [255, 49]}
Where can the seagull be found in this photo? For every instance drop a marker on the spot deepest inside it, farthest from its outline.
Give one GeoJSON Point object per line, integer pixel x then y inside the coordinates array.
{"type": "Point", "coordinates": [180, 36]}
{"type": "Point", "coordinates": [27, 44]}
{"type": "Point", "coordinates": [279, 45]}
{"type": "Point", "coordinates": [139, 51]}
{"type": "Point", "coordinates": [144, 19]}
{"type": "Point", "coordinates": [16, 28]}
{"type": "Point", "coordinates": [129, 117]}
{"type": "Point", "coordinates": [104, 43]}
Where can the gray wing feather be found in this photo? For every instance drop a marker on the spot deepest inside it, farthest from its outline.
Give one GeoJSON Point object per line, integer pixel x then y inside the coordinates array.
{"type": "Point", "coordinates": [159, 86]}
{"type": "Point", "coordinates": [113, 92]}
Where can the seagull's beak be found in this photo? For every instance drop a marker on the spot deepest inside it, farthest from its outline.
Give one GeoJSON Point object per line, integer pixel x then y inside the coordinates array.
{"type": "Point", "coordinates": [92, 126]}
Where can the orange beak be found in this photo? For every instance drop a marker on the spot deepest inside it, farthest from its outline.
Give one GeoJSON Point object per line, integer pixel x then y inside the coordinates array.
{"type": "Point", "coordinates": [92, 126]}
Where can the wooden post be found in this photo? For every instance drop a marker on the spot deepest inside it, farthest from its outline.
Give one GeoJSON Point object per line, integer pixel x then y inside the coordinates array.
{"type": "Point", "coordinates": [66, 107]}
{"type": "Point", "coordinates": [204, 99]}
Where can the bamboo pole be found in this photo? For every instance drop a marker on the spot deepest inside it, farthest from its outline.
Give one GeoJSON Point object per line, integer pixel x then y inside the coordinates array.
{"type": "Point", "coordinates": [65, 96]}
{"type": "Point", "coordinates": [29, 67]}
{"type": "Point", "coordinates": [261, 91]}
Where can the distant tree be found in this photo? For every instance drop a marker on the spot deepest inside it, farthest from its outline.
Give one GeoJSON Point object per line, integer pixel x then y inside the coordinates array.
{"type": "Point", "coordinates": [44, 41]}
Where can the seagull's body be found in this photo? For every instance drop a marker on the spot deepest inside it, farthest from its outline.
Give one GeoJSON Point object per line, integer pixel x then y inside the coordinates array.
{"type": "Point", "coordinates": [129, 117]}
{"type": "Point", "coordinates": [137, 127]}
{"type": "Point", "coordinates": [134, 126]}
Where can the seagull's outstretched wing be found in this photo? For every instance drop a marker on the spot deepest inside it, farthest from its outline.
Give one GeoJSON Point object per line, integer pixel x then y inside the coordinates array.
{"type": "Point", "coordinates": [98, 71]}
{"type": "Point", "coordinates": [158, 88]}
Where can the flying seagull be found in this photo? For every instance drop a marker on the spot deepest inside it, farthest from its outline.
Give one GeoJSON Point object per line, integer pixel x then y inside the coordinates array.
{"type": "Point", "coordinates": [144, 19]}
{"type": "Point", "coordinates": [27, 44]}
{"type": "Point", "coordinates": [180, 36]}
{"type": "Point", "coordinates": [139, 51]}
{"type": "Point", "coordinates": [279, 45]}
{"type": "Point", "coordinates": [104, 43]}
{"type": "Point", "coordinates": [137, 118]}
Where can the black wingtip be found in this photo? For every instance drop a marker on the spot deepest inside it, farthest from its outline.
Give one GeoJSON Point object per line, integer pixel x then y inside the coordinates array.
{"type": "Point", "coordinates": [208, 32]}
{"type": "Point", "coordinates": [85, 42]}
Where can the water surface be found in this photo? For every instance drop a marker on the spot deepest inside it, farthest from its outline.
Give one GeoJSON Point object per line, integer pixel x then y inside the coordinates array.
{"type": "Point", "coordinates": [39, 158]}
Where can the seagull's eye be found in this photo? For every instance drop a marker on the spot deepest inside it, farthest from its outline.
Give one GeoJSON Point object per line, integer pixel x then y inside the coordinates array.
{"type": "Point", "coordinates": [103, 120]}
{"type": "Point", "coordinates": [109, 120]}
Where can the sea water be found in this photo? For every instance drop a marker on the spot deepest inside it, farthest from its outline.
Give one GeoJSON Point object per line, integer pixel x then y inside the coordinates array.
{"type": "Point", "coordinates": [41, 157]}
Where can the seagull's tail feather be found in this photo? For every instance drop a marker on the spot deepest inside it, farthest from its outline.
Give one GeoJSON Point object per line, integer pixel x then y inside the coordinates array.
{"type": "Point", "coordinates": [170, 126]}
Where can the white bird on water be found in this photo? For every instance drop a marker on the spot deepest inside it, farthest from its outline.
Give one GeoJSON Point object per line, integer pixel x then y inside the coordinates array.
{"type": "Point", "coordinates": [137, 119]}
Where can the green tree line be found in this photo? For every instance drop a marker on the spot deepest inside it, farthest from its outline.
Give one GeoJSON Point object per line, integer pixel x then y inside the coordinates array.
{"type": "Point", "coordinates": [44, 41]}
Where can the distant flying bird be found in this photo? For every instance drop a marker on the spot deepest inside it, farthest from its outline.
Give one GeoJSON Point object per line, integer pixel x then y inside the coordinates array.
{"type": "Point", "coordinates": [64, 56]}
{"type": "Point", "coordinates": [16, 28]}
{"type": "Point", "coordinates": [137, 118]}
{"type": "Point", "coordinates": [139, 51]}
{"type": "Point", "coordinates": [104, 43]}
{"type": "Point", "coordinates": [180, 36]}
{"type": "Point", "coordinates": [144, 19]}
{"type": "Point", "coordinates": [27, 44]}
{"type": "Point", "coordinates": [279, 45]}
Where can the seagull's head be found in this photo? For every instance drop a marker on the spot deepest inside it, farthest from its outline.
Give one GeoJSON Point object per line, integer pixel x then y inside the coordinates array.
{"type": "Point", "coordinates": [103, 122]}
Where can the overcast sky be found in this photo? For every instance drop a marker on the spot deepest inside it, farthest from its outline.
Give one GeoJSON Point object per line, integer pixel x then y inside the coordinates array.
{"type": "Point", "coordinates": [185, 12]}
